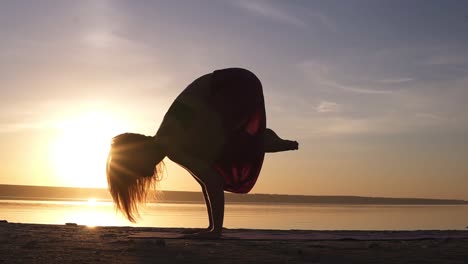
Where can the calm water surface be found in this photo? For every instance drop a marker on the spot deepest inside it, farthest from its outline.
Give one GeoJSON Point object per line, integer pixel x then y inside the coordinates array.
{"type": "Point", "coordinates": [313, 217]}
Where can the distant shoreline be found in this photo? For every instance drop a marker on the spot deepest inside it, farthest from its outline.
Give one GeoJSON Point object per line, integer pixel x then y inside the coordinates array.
{"type": "Point", "coordinates": [25, 193]}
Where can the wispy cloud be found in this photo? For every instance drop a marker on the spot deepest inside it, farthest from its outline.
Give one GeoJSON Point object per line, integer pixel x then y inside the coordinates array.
{"type": "Point", "coordinates": [324, 20]}
{"type": "Point", "coordinates": [327, 107]}
{"type": "Point", "coordinates": [395, 80]}
{"type": "Point", "coordinates": [443, 60]}
{"type": "Point", "coordinates": [354, 89]}
{"type": "Point", "coordinates": [342, 126]}
{"type": "Point", "coordinates": [325, 75]}
{"type": "Point", "coordinates": [397, 123]}
{"type": "Point", "coordinates": [24, 126]}
{"type": "Point", "coordinates": [268, 10]}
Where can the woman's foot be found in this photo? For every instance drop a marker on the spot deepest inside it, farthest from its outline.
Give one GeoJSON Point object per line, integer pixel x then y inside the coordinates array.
{"type": "Point", "coordinates": [273, 143]}
{"type": "Point", "coordinates": [291, 144]}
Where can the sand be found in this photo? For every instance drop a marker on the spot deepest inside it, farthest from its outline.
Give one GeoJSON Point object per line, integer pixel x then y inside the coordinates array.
{"type": "Point", "coordinates": [30, 243]}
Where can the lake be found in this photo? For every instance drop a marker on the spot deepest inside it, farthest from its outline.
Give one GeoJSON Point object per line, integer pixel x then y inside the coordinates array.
{"type": "Point", "coordinates": [257, 216]}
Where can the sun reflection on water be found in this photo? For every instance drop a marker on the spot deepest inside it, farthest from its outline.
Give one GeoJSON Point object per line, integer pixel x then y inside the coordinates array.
{"type": "Point", "coordinates": [93, 212]}
{"type": "Point", "coordinates": [92, 202]}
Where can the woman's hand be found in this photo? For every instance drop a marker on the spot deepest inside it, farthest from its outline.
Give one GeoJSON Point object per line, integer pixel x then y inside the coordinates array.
{"type": "Point", "coordinates": [205, 234]}
{"type": "Point", "coordinates": [188, 231]}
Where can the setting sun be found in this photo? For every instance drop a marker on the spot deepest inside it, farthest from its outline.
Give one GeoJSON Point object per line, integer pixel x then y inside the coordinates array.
{"type": "Point", "coordinates": [80, 151]}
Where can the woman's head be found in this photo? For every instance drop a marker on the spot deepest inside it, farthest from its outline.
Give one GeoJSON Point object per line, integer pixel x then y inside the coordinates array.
{"type": "Point", "coordinates": [134, 165]}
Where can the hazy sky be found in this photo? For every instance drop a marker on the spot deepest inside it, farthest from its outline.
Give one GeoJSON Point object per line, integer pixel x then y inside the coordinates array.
{"type": "Point", "coordinates": [375, 91]}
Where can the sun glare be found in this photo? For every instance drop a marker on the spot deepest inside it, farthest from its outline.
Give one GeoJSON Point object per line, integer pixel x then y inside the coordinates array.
{"type": "Point", "coordinates": [81, 149]}
{"type": "Point", "coordinates": [92, 202]}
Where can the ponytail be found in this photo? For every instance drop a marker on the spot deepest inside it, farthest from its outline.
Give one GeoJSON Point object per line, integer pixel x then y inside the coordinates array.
{"type": "Point", "coordinates": [129, 164]}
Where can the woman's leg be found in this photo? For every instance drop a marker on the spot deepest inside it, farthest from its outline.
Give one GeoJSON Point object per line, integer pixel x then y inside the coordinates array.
{"type": "Point", "coordinates": [208, 209]}
{"type": "Point", "coordinates": [273, 143]}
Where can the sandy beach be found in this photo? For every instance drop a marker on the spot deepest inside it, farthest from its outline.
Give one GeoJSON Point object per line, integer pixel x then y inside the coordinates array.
{"type": "Point", "coordinates": [32, 243]}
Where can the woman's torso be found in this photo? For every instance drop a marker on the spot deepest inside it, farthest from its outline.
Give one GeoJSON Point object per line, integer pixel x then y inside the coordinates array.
{"type": "Point", "coordinates": [192, 125]}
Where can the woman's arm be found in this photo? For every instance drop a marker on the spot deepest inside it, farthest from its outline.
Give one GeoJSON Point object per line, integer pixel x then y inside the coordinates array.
{"type": "Point", "coordinates": [212, 182]}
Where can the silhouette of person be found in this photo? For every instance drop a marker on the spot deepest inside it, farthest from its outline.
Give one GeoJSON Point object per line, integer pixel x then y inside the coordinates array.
{"type": "Point", "coordinates": [215, 129]}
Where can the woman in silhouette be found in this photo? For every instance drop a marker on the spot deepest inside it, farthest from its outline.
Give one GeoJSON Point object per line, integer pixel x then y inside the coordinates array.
{"type": "Point", "coordinates": [216, 129]}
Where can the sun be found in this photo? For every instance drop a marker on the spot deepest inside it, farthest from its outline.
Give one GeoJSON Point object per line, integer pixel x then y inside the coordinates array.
{"type": "Point", "coordinates": [80, 151]}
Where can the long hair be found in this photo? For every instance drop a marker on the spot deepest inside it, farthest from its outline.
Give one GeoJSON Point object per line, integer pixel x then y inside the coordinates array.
{"type": "Point", "coordinates": [134, 167]}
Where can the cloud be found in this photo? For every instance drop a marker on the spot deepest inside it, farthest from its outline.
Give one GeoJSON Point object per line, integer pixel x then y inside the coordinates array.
{"type": "Point", "coordinates": [354, 89]}
{"type": "Point", "coordinates": [326, 21]}
{"type": "Point", "coordinates": [325, 75]}
{"type": "Point", "coordinates": [267, 10]}
{"type": "Point", "coordinates": [24, 126]}
{"type": "Point", "coordinates": [445, 60]}
{"type": "Point", "coordinates": [414, 58]}
{"type": "Point", "coordinates": [395, 80]}
{"type": "Point", "coordinates": [398, 123]}
{"type": "Point", "coordinates": [299, 17]}
{"type": "Point", "coordinates": [339, 126]}
{"type": "Point", "coordinates": [346, 126]}
{"type": "Point", "coordinates": [430, 117]}
{"type": "Point", "coordinates": [328, 107]}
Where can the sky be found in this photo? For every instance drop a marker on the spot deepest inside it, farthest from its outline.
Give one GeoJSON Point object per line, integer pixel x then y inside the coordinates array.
{"type": "Point", "coordinates": [374, 91]}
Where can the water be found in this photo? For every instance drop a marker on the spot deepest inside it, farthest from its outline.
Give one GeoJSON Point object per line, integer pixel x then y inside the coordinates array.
{"type": "Point", "coordinates": [258, 216]}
